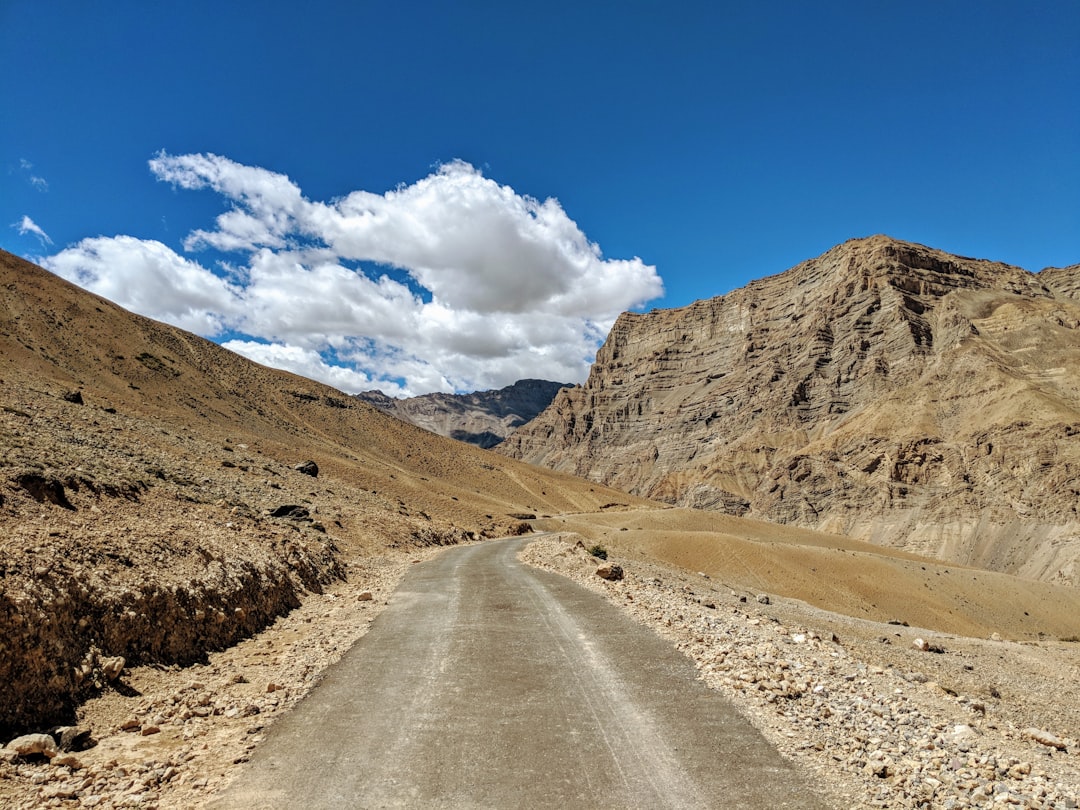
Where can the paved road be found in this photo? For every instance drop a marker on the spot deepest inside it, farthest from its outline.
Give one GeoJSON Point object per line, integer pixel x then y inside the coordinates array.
{"type": "Point", "coordinates": [486, 683]}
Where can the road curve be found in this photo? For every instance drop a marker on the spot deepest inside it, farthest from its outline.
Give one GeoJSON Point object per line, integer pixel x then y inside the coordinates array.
{"type": "Point", "coordinates": [487, 683]}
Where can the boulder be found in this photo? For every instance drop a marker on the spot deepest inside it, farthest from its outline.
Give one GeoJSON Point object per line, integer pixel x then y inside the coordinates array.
{"type": "Point", "coordinates": [610, 572]}
{"type": "Point", "coordinates": [73, 738]}
{"type": "Point", "coordinates": [112, 667]}
{"type": "Point", "coordinates": [30, 744]}
{"type": "Point", "coordinates": [308, 468]}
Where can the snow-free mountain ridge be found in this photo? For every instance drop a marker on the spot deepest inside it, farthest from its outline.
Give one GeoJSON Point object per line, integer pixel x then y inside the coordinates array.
{"type": "Point", "coordinates": [884, 390]}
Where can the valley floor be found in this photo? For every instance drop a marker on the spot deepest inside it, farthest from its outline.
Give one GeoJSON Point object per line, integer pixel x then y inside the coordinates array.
{"type": "Point", "coordinates": [875, 721]}
{"type": "Point", "coordinates": [879, 723]}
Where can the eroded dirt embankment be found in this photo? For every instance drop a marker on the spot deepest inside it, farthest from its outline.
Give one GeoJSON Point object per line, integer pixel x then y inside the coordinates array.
{"type": "Point", "coordinates": [200, 581]}
{"type": "Point", "coordinates": [172, 736]}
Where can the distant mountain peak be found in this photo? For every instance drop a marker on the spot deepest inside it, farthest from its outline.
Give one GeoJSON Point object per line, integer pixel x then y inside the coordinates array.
{"type": "Point", "coordinates": [483, 418]}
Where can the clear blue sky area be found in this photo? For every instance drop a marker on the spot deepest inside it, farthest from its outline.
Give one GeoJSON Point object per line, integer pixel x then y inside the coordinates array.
{"type": "Point", "coordinates": [716, 142]}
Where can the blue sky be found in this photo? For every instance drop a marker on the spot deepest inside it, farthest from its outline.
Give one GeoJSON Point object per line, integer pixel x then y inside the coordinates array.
{"type": "Point", "coordinates": [448, 196]}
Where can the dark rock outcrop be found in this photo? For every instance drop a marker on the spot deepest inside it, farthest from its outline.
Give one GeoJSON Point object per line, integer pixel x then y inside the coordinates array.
{"type": "Point", "coordinates": [483, 418]}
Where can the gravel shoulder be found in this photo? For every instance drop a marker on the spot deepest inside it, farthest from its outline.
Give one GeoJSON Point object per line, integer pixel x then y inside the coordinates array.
{"type": "Point", "coordinates": [189, 729]}
{"type": "Point", "coordinates": [877, 722]}
{"type": "Point", "coordinates": [871, 720]}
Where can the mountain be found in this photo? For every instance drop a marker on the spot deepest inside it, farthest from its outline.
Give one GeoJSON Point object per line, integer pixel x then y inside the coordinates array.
{"type": "Point", "coordinates": [161, 497]}
{"type": "Point", "coordinates": [483, 418]}
{"type": "Point", "coordinates": [884, 390]}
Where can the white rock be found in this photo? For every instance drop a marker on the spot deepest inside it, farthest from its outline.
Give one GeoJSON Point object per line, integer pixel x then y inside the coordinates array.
{"type": "Point", "coordinates": [30, 744]}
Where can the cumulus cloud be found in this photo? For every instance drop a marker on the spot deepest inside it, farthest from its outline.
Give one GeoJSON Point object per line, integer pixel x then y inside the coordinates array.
{"type": "Point", "coordinates": [27, 225]}
{"type": "Point", "coordinates": [305, 362]}
{"type": "Point", "coordinates": [454, 282]}
{"type": "Point", "coordinates": [149, 278]}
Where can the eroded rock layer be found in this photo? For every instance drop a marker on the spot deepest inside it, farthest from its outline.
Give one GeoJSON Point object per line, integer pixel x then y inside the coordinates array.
{"type": "Point", "coordinates": [885, 390]}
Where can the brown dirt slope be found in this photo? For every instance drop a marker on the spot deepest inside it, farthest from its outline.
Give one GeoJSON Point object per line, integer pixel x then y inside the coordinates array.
{"type": "Point", "coordinates": [140, 523]}
{"type": "Point", "coordinates": [835, 573]}
{"type": "Point", "coordinates": [883, 390]}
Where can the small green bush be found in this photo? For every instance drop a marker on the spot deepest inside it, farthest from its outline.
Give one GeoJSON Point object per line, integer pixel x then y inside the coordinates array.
{"type": "Point", "coordinates": [599, 552]}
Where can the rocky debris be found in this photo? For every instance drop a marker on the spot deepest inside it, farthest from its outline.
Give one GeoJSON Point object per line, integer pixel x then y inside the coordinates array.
{"type": "Point", "coordinates": [364, 596]}
{"type": "Point", "coordinates": [308, 468]}
{"type": "Point", "coordinates": [813, 398]}
{"type": "Point", "coordinates": [610, 572]}
{"type": "Point", "coordinates": [103, 619]}
{"type": "Point", "coordinates": [74, 397]}
{"type": "Point", "coordinates": [763, 599]}
{"type": "Point", "coordinates": [872, 735]}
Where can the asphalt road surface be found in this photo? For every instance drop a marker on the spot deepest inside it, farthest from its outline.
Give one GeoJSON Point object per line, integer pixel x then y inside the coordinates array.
{"type": "Point", "coordinates": [487, 683]}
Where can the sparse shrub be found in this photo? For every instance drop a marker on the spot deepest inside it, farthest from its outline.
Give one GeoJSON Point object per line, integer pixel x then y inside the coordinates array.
{"type": "Point", "coordinates": [599, 552]}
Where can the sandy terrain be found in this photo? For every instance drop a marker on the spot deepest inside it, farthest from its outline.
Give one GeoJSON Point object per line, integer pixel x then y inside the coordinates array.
{"type": "Point", "coordinates": [838, 574]}
{"type": "Point", "coordinates": [996, 688]}
{"type": "Point", "coordinates": [878, 723]}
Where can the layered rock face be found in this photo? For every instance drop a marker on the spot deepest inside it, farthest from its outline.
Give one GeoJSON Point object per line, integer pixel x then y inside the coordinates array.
{"type": "Point", "coordinates": [483, 418]}
{"type": "Point", "coordinates": [884, 390]}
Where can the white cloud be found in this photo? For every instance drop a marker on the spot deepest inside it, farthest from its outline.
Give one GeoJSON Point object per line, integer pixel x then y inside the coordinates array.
{"type": "Point", "coordinates": [305, 362]}
{"type": "Point", "coordinates": [27, 225]}
{"type": "Point", "coordinates": [501, 285]}
{"type": "Point", "coordinates": [149, 278]}
{"type": "Point", "coordinates": [38, 182]}
{"type": "Point", "coordinates": [474, 244]}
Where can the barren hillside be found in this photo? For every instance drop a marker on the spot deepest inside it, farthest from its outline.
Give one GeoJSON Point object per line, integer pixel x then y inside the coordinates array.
{"type": "Point", "coordinates": [884, 390]}
{"type": "Point", "coordinates": [150, 504]}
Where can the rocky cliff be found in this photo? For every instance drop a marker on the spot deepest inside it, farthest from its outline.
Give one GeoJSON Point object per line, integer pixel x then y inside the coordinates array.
{"type": "Point", "coordinates": [885, 390]}
{"type": "Point", "coordinates": [483, 418]}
